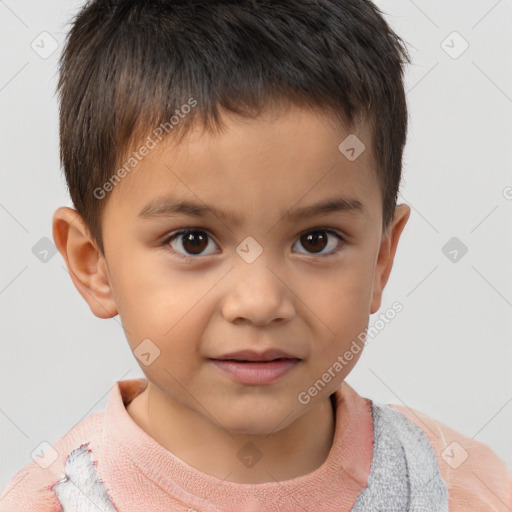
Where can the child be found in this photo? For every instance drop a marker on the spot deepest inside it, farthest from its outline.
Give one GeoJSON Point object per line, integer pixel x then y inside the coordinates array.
{"type": "Point", "coordinates": [271, 133]}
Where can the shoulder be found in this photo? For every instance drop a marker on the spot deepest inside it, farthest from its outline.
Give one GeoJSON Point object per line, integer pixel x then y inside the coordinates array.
{"type": "Point", "coordinates": [32, 488]}
{"type": "Point", "coordinates": [404, 473]}
{"type": "Point", "coordinates": [476, 478]}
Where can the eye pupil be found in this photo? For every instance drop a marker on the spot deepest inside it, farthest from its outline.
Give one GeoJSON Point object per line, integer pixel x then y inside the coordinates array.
{"type": "Point", "coordinates": [195, 239]}
{"type": "Point", "coordinates": [313, 239]}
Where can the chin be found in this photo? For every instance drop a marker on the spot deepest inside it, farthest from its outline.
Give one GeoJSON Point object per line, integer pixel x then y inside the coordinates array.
{"type": "Point", "coordinates": [250, 430]}
{"type": "Point", "coordinates": [256, 423]}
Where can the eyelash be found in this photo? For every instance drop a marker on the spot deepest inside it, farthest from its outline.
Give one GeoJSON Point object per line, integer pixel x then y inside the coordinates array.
{"type": "Point", "coordinates": [181, 232]}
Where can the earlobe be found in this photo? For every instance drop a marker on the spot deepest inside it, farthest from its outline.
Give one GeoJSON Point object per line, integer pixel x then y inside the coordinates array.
{"type": "Point", "coordinates": [86, 265]}
{"type": "Point", "coordinates": [386, 254]}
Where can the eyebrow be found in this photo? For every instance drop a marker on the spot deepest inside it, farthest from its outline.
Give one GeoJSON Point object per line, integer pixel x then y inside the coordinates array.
{"type": "Point", "coordinates": [171, 207]}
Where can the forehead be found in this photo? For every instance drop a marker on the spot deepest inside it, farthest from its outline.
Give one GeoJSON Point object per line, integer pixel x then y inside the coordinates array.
{"type": "Point", "coordinates": [279, 160]}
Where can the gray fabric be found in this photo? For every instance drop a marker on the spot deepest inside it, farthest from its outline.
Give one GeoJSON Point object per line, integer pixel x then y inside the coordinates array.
{"type": "Point", "coordinates": [404, 474]}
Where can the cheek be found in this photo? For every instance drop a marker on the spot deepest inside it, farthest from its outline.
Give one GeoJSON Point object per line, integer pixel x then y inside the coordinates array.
{"type": "Point", "coordinates": [160, 304]}
{"type": "Point", "coordinates": [342, 298]}
{"type": "Point", "coordinates": [341, 306]}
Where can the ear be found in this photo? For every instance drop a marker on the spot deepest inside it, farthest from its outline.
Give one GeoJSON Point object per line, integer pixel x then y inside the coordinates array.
{"type": "Point", "coordinates": [86, 265]}
{"type": "Point", "coordinates": [386, 254]}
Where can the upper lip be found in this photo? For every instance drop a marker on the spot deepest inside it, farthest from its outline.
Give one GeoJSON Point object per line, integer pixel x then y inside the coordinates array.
{"type": "Point", "coordinates": [251, 355]}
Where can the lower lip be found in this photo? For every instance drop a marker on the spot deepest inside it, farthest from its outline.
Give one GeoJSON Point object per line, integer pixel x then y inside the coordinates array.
{"type": "Point", "coordinates": [256, 374]}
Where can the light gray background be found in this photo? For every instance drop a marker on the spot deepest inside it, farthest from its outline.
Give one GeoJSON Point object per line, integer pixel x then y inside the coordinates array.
{"type": "Point", "coordinates": [448, 353]}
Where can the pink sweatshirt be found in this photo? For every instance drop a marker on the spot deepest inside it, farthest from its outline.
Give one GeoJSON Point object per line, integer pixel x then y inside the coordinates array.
{"type": "Point", "coordinates": [108, 463]}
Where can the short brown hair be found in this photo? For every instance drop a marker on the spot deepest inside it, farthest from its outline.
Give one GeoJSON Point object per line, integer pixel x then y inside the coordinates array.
{"type": "Point", "coordinates": [129, 65]}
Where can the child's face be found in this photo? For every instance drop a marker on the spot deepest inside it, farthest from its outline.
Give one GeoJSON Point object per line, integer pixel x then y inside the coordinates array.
{"type": "Point", "coordinates": [310, 297]}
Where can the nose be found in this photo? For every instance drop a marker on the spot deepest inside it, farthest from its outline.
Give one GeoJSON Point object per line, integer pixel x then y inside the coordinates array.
{"type": "Point", "coordinates": [257, 294]}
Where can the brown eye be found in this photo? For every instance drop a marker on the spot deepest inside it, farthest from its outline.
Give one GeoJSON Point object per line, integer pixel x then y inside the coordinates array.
{"type": "Point", "coordinates": [192, 242]}
{"type": "Point", "coordinates": [316, 241]}
{"type": "Point", "coordinates": [195, 242]}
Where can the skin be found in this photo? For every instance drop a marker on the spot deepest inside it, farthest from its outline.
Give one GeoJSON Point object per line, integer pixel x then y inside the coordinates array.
{"type": "Point", "coordinates": [309, 302]}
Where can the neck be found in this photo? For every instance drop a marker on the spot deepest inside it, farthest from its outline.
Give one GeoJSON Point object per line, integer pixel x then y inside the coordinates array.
{"type": "Point", "coordinates": [299, 449]}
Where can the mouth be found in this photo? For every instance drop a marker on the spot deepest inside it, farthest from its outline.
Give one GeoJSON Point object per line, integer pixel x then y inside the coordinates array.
{"type": "Point", "coordinates": [256, 373]}
{"type": "Point", "coordinates": [271, 354]}
{"type": "Point", "coordinates": [259, 362]}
